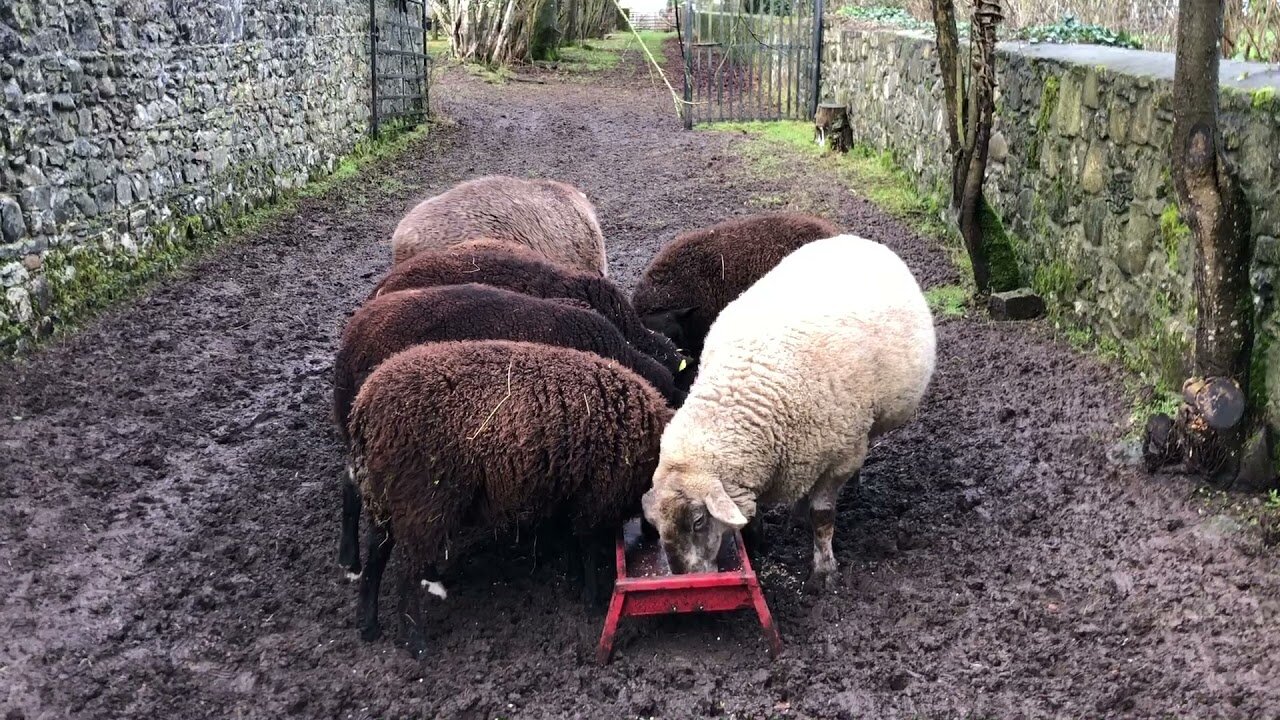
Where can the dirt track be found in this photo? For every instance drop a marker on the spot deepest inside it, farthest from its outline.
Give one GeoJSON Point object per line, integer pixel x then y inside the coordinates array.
{"type": "Point", "coordinates": [169, 514]}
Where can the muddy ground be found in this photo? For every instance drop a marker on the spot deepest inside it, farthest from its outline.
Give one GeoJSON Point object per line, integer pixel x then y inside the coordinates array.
{"type": "Point", "coordinates": [170, 507]}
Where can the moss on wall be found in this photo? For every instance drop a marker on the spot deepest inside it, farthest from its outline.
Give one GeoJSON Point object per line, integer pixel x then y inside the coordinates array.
{"type": "Point", "coordinates": [1173, 233]}
{"type": "Point", "coordinates": [85, 279]}
{"type": "Point", "coordinates": [1048, 101]}
{"type": "Point", "coordinates": [1002, 257]}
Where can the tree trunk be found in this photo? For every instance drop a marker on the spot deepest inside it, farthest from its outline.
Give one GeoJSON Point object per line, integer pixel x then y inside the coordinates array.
{"type": "Point", "coordinates": [970, 112]}
{"type": "Point", "coordinates": [948, 41]}
{"type": "Point", "coordinates": [1213, 205]}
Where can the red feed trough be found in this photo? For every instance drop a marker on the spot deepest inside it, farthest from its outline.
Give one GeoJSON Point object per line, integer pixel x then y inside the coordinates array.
{"type": "Point", "coordinates": [646, 586]}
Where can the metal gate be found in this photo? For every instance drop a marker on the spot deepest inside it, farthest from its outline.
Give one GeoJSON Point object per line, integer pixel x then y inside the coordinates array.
{"type": "Point", "coordinates": [750, 59]}
{"type": "Point", "coordinates": [398, 61]}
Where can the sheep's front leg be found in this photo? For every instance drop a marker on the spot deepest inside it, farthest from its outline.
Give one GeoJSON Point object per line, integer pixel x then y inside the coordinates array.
{"type": "Point", "coordinates": [754, 536]}
{"type": "Point", "coordinates": [822, 513]}
{"type": "Point", "coordinates": [380, 543]}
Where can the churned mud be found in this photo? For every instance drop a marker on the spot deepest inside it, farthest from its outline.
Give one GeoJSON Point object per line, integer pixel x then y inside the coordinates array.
{"type": "Point", "coordinates": [169, 513]}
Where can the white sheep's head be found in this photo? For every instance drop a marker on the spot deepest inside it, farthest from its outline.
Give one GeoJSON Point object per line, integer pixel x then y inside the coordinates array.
{"type": "Point", "coordinates": [691, 512]}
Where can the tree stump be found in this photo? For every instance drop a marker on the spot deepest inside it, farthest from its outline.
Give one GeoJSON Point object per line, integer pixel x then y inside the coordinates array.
{"type": "Point", "coordinates": [831, 127]}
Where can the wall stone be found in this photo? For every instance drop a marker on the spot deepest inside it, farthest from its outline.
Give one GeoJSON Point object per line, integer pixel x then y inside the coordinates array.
{"type": "Point", "coordinates": [1079, 172]}
{"type": "Point", "coordinates": [125, 121]}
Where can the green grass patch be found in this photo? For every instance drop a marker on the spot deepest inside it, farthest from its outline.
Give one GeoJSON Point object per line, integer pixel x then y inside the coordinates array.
{"type": "Point", "coordinates": [439, 48]}
{"type": "Point", "coordinates": [774, 147]}
{"type": "Point", "coordinates": [605, 54]}
{"type": "Point", "coordinates": [586, 58]}
{"type": "Point", "coordinates": [948, 300]}
{"type": "Point", "coordinates": [491, 75]}
{"type": "Point", "coordinates": [84, 280]}
{"type": "Point", "coordinates": [655, 41]}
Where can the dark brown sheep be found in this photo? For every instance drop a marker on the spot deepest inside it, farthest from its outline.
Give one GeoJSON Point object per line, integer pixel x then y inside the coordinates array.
{"type": "Point", "coordinates": [695, 276]}
{"type": "Point", "coordinates": [553, 218]}
{"type": "Point", "coordinates": [452, 443]}
{"type": "Point", "coordinates": [399, 320]}
{"type": "Point", "coordinates": [514, 268]}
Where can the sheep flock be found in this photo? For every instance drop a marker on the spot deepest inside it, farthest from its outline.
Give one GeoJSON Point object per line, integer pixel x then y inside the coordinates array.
{"type": "Point", "coordinates": [495, 380]}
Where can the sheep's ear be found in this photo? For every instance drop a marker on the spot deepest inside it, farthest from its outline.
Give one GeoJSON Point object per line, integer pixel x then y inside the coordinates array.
{"type": "Point", "coordinates": [723, 508]}
{"type": "Point", "coordinates": [681, 313]}
{"type": "Point", "coordinates": [649, 504]}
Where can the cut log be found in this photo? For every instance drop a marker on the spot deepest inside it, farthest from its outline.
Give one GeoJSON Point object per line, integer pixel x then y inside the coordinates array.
{"type": "Point", "coordinates": [831, 127]}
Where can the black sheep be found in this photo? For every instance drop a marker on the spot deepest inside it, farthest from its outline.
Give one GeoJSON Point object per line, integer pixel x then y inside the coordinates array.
{"type": "Point", "coordinates": [399, 320]}
{"type": "Point", "coordinates": [454, 442]}
{"type": "Point", "coordinates": [513, 267]}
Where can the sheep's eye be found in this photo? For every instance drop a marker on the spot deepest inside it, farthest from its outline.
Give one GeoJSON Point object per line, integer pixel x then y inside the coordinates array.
{"type": "Point", "coordinates": [699, 521]}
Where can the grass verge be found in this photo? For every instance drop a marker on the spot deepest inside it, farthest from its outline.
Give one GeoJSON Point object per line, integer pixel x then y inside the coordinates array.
{"type": "Point", "coordinates": [773, 147]}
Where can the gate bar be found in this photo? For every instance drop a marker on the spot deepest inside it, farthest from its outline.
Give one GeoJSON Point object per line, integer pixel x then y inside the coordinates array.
{"type": "Point", "coordinates": [817, 57]}
{"type": "Point", "coordinates": [688, 64]}
{"type": "Point", "coordinates": [373, 65]}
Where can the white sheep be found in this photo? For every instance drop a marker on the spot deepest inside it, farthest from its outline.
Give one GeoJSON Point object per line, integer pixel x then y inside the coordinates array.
{"type": "Point", "coordinates": [830, 349]}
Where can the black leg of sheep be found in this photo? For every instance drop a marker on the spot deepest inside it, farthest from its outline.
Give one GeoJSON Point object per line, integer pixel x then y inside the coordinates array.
{"type": "Point", "coordinates": [754, 535]}
{"type": "Point", "coordinates": [380, 544]}
{"type": "Point", "coordinates": [411, 609]}
{"type": "Point", "coordinates": [592, 546]}
{"type": "Point", "coordinates": [349, 545]}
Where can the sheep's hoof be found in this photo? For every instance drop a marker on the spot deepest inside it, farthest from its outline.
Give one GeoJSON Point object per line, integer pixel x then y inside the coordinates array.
{"type": "Point", "coordinates": [417, 646]}
{"type": "Point", "coordinates": [348, 557]}
{"type": "Point", "coordinates": [820, 581]}
{"type": "Point", "coordinates": [369, 633]}
{"type": "Point", "coordinates": [351, 575]}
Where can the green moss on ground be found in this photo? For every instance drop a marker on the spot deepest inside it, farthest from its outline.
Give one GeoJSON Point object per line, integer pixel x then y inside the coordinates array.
{"type": "Point", "coordinates": [948, 300]}
{"type": "Point", "coordinates": [84, 280]}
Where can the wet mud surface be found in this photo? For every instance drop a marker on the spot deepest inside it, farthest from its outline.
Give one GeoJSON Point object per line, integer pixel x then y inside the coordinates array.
{"type": "Point", "coordinates": [169, 509]}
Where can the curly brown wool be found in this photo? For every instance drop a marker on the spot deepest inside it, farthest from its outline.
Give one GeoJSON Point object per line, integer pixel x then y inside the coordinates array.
{"type": "Point", "coordinates": [402, 319]}
{"type": "Point", "coordinates": [454, 442]}
{"type": "Point", "coordinates": [693, 278]}
{"type": "Point", "coordinates": [511, 267]}
{"type": "Point", "coordinates": [553, 218]}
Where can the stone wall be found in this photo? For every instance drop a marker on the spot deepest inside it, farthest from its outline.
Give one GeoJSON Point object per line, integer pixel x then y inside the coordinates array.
{"type": "Point", "coordinates": [132, 122]}
{"type": "Point", "coordinates": [1079, 172]}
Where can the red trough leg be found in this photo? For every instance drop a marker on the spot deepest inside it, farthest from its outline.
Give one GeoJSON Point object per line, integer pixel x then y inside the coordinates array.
{"type": "Point", "coordinates": [605, 649]}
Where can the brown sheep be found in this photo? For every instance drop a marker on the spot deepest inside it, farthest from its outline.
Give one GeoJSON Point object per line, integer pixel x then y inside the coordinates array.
{"type": "Point", "coordinates": [453, 443]}
{"type": "Point", "coordinates": [695, 276]}
{"type": "Point", "coordinates": [550, 217]}
{"type": "Point", "coordinates": [515, 268]}
{"type": "Point", "coordinates": [399, 320]}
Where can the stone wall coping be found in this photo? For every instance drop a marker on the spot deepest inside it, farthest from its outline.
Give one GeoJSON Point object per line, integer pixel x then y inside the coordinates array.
{"type": "Point", "coordinates": [1246, 76]}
